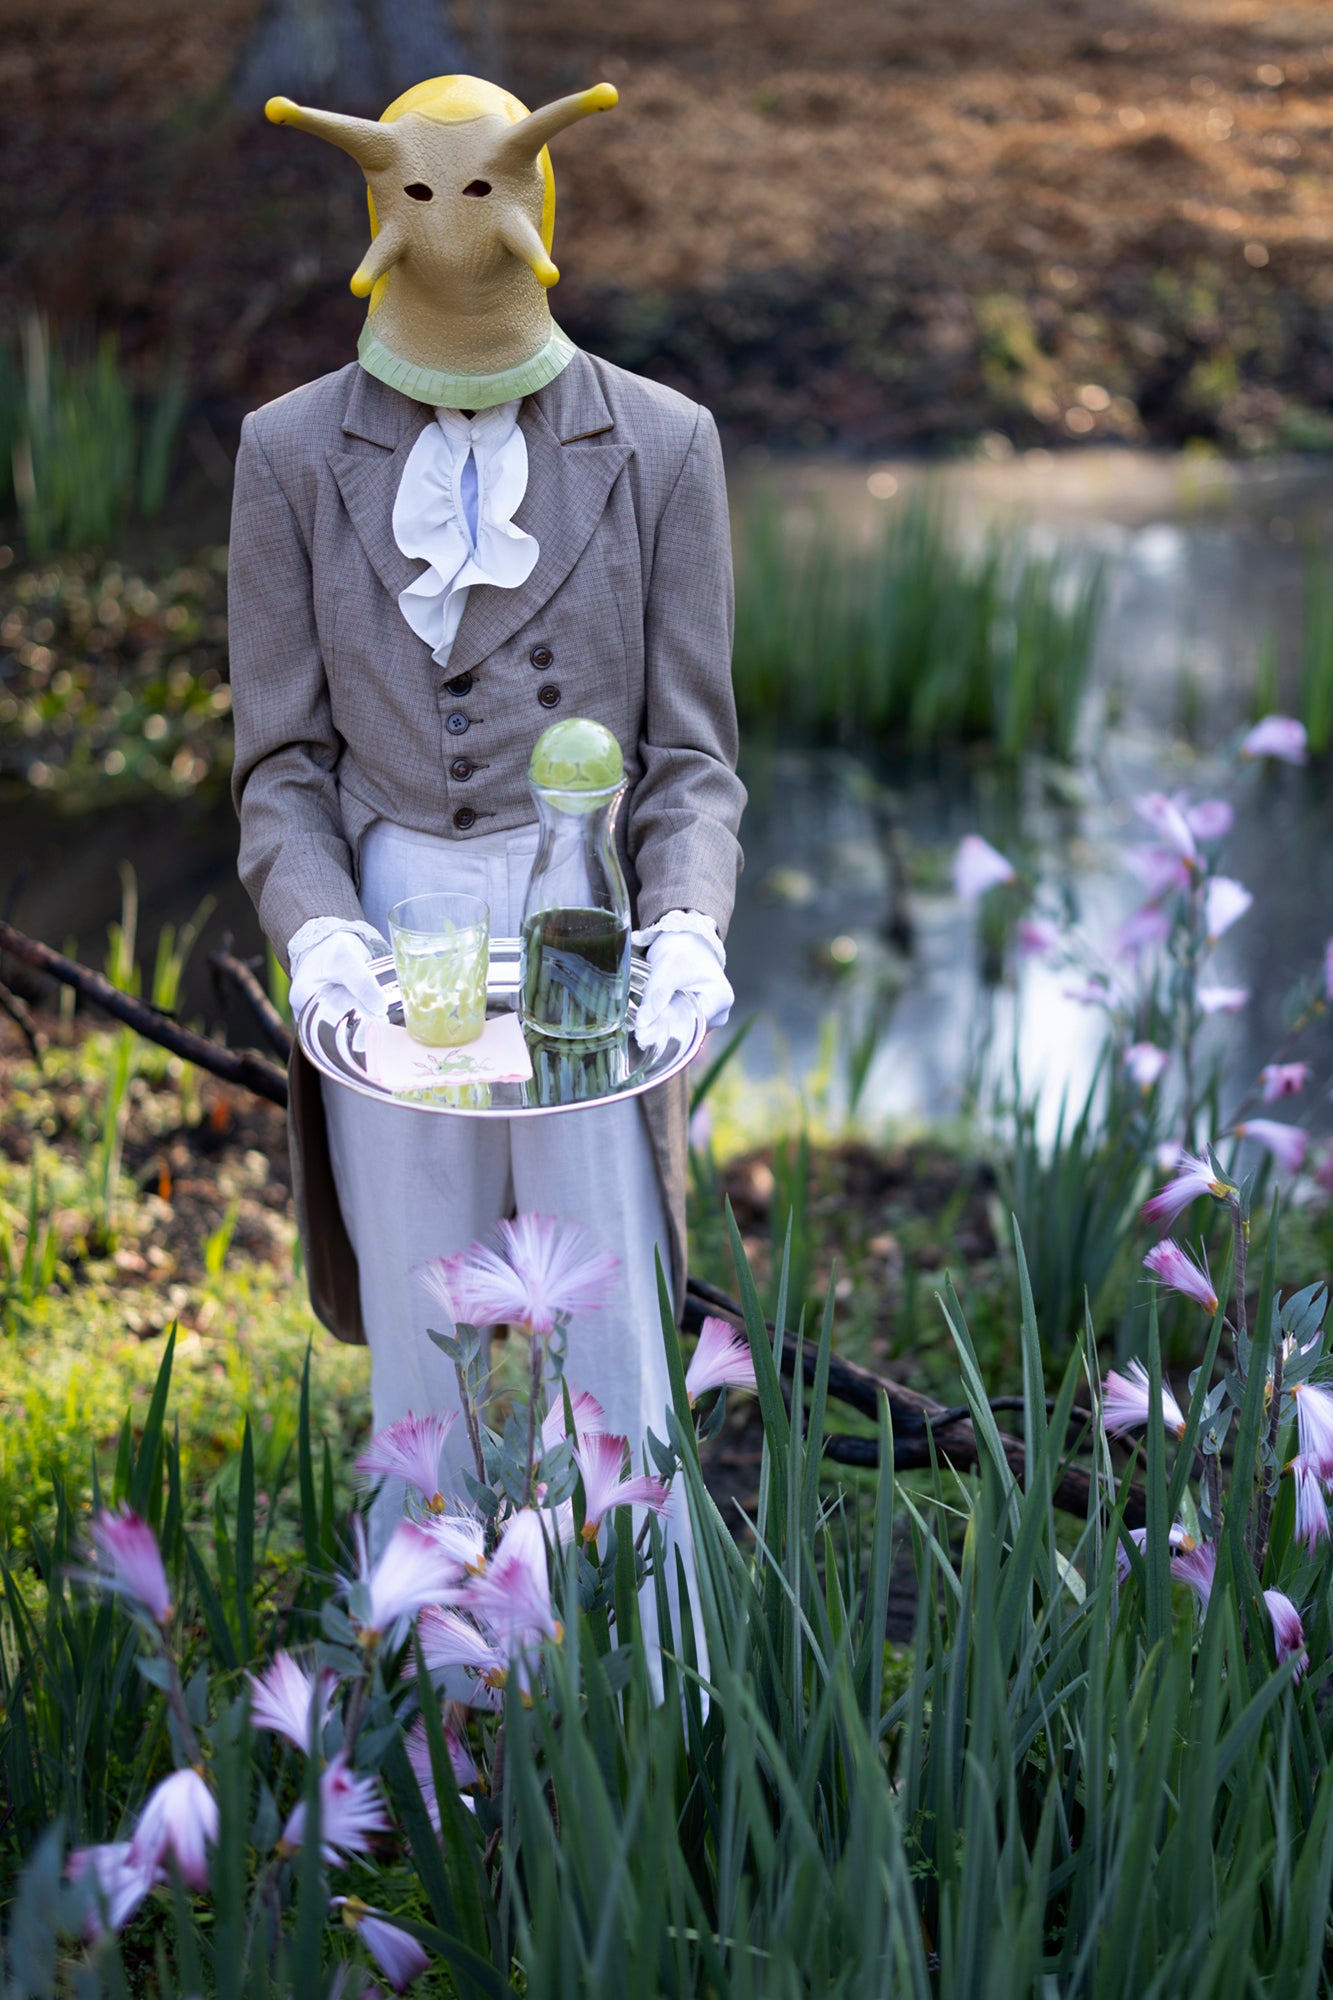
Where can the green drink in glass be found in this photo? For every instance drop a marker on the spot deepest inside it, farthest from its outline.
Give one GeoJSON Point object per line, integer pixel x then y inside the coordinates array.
{"type": "Point", "coordinates": [441, 947]}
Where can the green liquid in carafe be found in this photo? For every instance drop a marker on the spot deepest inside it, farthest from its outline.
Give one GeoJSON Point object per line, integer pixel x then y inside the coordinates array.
{"type": "Point", "coordinates": [575, 973]}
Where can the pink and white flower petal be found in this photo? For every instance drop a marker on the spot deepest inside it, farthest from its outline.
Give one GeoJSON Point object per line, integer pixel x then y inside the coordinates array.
{"type": "Point", "coordinates": [282, 1697]}
{"type": "Point", "coordinates": [601, 1462]}
{"type": "Point", "coordinates": [1038, 937]}
{"type": "Point", "coordinates": [399, 1957]}
{"type": "Point", "coordinates": [180, 1819]}
{"type": "Point", "coordinates": [1126, 1402]}
{"type": "Point", "coordinates": [513, 1597]}
{"type": "Point", "coordinates": [460, 1761]}
{"type": "Point", "coordinates": [1312, 1525]}
{"type": "Point", "coordinates": [1159, 870]}
{"type": "Point", "coordinates": [1145, 1063]}
{"type": "Point", "coordinates": [721, 1360]}
{"type": "Point", "coordinates": [125, 1542]}
{"type": "Point", "coordinates": [411, 1449]}
{"type": "Point", "coordinates": [1210, 819]}
{"type": "Point", "coordinates": [1288, 1632]}
{"type": "Point", "coordinates": [1284, 1080]}
{"type": "Point", "coordinates": [1168, 822]}
{"type": "Point", "coordinates": [352, 1814]}
{"type": "Point", "coordinates": [1176, 1268]}
{"type": "Point", "coordinates": [1222, 999]}
{"type": "Point", "coordinates": [450, 1640]}
{"type": "Point", "coordinates": [1143, 931]}
{"type": "Point", "coordinates": [1195, 1176]}
{"type": "Point", "coordinates": [1139, 1536]}
{"type": "Point", "coordinates": [462, 1538]}
{"type": "Point", "coordinates": [589, 1417]}
{"type": "Point", "coordinates": [1280, 736]}
{"type": "Point", "coordinates": [122, 1881]}
{"type": "Point", "coordinates": [979, 867]}
{"type": "Point", "coordinates": [540, 1269]}
{"type": "Point", "coordinates": [1196, 1565]}
{"type": "Point", "coordinates": [1286, 1143]}
{"type": "Point", "coordinates": [1224, 902]}
{"type": "Point", "coordinates": [1314, 1426]}
{"type": "Point", "coordinates": [414, 1570]}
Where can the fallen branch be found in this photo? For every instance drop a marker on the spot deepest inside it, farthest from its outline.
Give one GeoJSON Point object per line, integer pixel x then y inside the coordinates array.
{"type": "Point", "coordinates": [233, 971]}
{"type": "Point", "coordinates": [253, 1073]}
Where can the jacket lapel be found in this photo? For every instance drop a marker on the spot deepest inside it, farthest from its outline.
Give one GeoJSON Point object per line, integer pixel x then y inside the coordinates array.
{"type": "Point", "coordinates": [369, 479]}
{"type": "Point", "coordinates": [569, 483]}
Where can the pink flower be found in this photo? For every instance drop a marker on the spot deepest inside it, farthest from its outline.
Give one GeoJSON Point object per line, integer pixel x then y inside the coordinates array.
{"type": "Point", "coordinates": [1222, 999]}
{"type": "Point", "coordinates": [1125, 1403]}
{"type": "Point", "coordinates": [1286, 1143]}
{"type": "Point", "coordinates": [1177, 1538]}
{"type": "Point", "coordinates": [1194, 1177]}
{"type": "Point", "coordinates": [411, 1449]}
{"type": "Point", "coordinates": [1278, 736]}
{"type": "Point", "coordinates": [1223, 902]}
{"type": "Point", "coordinates": [589, 1416]}
{"type": "Point", "coordinates": [282, 1696]}
{"type": "Point", "coordinates": [1311, 1507]}
{"type": "Point", "coordinates": [721, 1360]}
{"type": "Point", "coordinates": [1095, 991]}
{"type": "Point", "coordinates": [1210, 819]}
{"type": "Point", "coordinates": [1168, 822]}
{"type": "Point", "coordinates": [1038, 937]}
{"type": "Point", "coordinates": [977, 867]}
{"type": "Point", "coordinates": [418, 1756]}
{"type": "Point", "coordinates": [542, 1270]}
{"type": "Point", "coordinates": [351, 1814]}
{"type": "Point", "coordinates": [1176, 1268]}
{"type": "Point", "coordinates": [399, 1957]}
{"type": "Point", "coordinates": [181, 1819]}
{"type": "Point", "coordinates": [1159, 870]}
{"type": "Point", "coordinates": [1142, 931]}
{"type": "Point", "coordinates": [1314, 1426]}
{"type": "Point", "coordinates": [415, 1569]}
{"type": "Point", "coordinates": [1283, 1079]}
{"type": "Point", "coordinates": [450, 1640]}
{"type": "Point", "coordinates": [1288, 1632]}
{"type": "Point", "coordinates": [128, 1544]}
{"type": "Point", "coordinates": [513, 1596]}
{"type": "Point", "coordinates": [1195, 1563]}
{"type": "Point", "coordinates": [1145, 1063]}
{"type": "Point", "coordinates": [601, 1461]}
{"type": "Point", "coordinates": [123, 1882]}
{"type": "Point", "coordinates": [461, 1536]}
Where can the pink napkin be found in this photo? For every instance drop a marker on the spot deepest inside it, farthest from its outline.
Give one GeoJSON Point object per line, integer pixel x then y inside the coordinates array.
{"type": "Point", "coordinates": [396, 1062]}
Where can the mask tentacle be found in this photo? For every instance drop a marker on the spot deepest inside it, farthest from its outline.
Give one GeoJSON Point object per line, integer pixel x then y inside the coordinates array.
{"type": "Point", "coordinates": [523, 141]}
{"type": "Point", "coordinates": [371, 144]}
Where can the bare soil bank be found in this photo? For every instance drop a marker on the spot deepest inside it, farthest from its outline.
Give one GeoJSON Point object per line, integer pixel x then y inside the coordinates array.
{"type": "Point", "coordinates": [876, 224]}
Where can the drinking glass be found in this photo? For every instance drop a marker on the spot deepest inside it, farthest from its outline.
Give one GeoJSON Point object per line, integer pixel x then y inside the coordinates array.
{"type": "Point", "coordinates": [441, 946]}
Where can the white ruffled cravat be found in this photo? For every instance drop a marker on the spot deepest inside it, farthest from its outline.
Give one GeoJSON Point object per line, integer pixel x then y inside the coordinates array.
{"type": "Point", "coordinates": [460, 489]}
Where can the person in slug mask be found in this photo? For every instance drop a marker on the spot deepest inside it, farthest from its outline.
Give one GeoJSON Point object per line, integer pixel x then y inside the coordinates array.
{"type": "Point", "coordinates": [437, 551]}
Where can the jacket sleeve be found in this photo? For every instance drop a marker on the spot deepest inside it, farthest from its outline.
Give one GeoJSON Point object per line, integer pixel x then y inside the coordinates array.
{"type": "Point", "coordinates": [687, 805]}
{"type": "Point", "coordinates": [295, 860]}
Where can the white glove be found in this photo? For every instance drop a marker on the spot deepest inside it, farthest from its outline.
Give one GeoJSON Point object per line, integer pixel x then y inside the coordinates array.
{"type": "Point", "coordinates": [331, 958]}
{"type": "Point", "coordinates": [685, 970]}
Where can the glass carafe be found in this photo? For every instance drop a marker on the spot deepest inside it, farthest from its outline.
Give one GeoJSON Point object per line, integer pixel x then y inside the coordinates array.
{"type": "Point", "coordinates": [575, 963]}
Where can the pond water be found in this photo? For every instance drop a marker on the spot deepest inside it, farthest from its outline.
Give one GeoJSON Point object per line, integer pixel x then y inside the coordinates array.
{"type": "Point", "coordinates": [1204, 564]}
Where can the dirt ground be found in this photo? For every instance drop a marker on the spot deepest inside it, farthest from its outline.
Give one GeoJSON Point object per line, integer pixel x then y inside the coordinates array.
{"type": "Point", "coordinates": [873, 224]}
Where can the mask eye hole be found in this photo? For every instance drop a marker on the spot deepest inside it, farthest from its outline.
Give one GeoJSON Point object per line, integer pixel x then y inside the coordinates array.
{"type": "Point", "coordinates": [420, 192]}
{"type": "Point", "coordinates": [477, 187]}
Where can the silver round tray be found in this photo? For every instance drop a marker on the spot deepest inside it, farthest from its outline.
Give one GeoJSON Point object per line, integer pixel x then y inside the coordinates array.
{"type": "Point", "coordinates": [567, 1076]}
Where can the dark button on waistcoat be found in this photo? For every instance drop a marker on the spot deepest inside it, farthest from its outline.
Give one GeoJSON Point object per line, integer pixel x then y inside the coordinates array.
{"type": "Point", "coordinates": [461, 684]}
{"type": "Point", "coordinates": [461, 769]}
{"type": "Point", "coordinates": [548, 696]}
{"type": "Point", "coordinates": [464, 818]}
{"type": "Point", "coordinates": [541, 656]}
{"type": "Point", "coordinates": [456, 724]}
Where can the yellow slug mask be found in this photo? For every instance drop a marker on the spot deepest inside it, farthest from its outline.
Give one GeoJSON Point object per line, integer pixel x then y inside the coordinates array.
{"type": "Point", "coordinates": [462, 210]}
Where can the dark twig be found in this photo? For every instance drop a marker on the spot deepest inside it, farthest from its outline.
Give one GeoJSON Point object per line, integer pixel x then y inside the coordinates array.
{"type": "Point", "coordinates": [20, 1013]}
{"type": "Point", "coordinates": [265, 1079]}
{"type": "Point", "coordinates": [232, 971]}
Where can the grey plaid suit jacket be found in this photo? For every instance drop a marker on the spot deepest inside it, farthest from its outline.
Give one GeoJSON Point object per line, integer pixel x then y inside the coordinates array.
{"type": "Point", "coordinates": [342, 717]}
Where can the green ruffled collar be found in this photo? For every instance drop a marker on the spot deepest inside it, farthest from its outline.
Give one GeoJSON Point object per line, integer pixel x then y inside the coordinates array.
{"type": "Point", "coordinates": [464, 392]}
